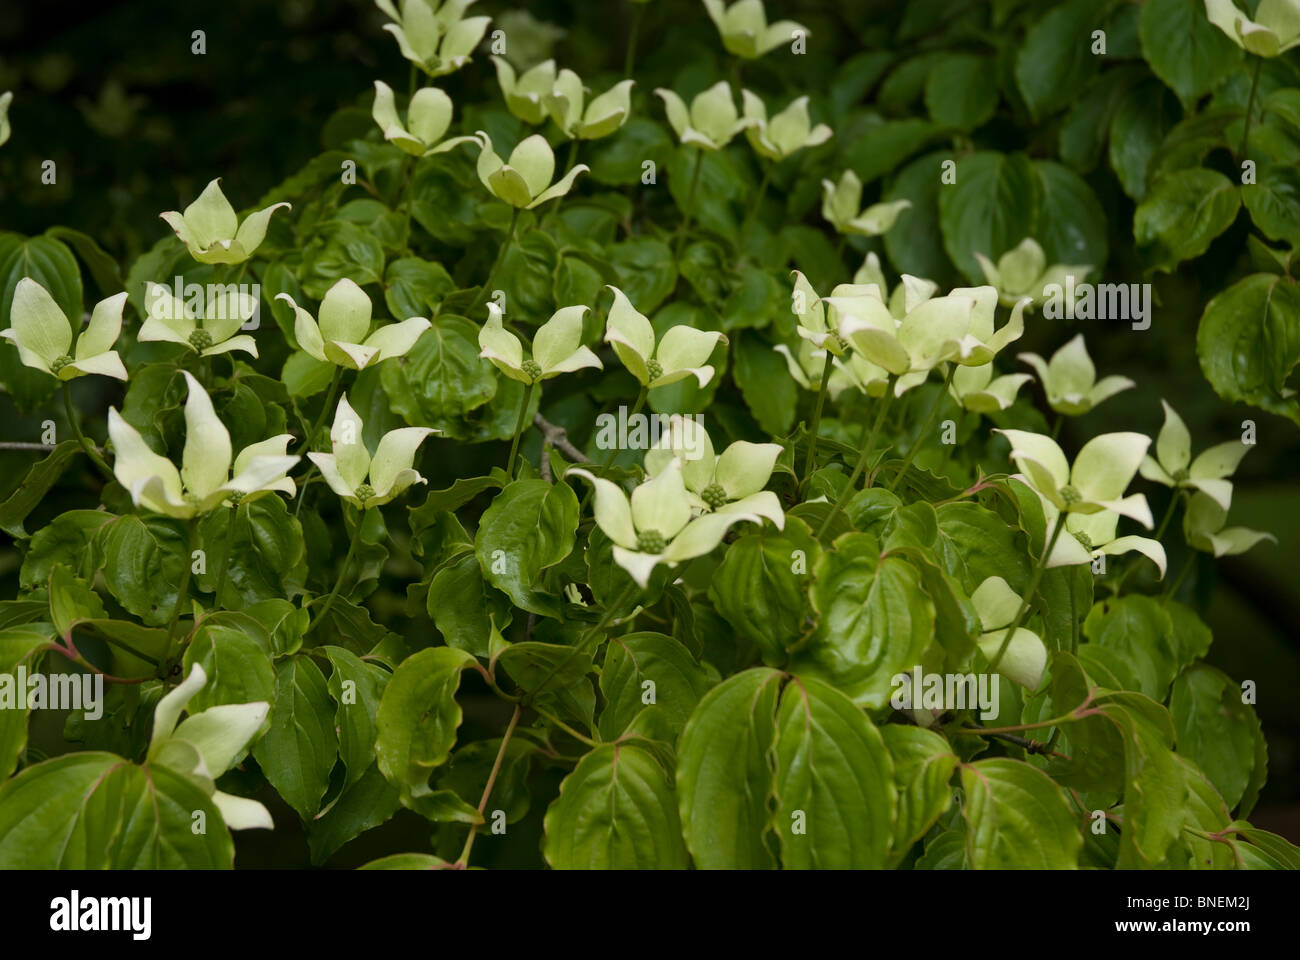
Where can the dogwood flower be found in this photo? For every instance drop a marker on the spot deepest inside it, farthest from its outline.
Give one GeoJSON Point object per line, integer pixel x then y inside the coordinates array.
{"type": "Point", "coordinates": [906, 296]}
{"type": "Point", "coordinates": [842, 208]}
{"type": "Point", "coordinates": [434, 35]}
{"type": "Point", "coordinates": [655, 525]}
{"type": "Point", "coordinates": [360, 479]}
{"type": "Point", "coordinates": [211, 230]}
{"type": "Point", "coordinates": [1023, 272]}
{"type": "Point", "coordinates": [1275, 30]}
{"type": "Point", "coordinates": [681, 353]}
{"type": "Point", "coordinates": [745, 30]}
{"type": "Point", "coordinates": [5, 99]}
{"type": "Point", "coordinates": [43, 334]}
{"type": "Point", "coordinates": [979, 391]}
{"type": "Point", "coordinates": [1207, 473]}
{"type": "Point", "coordinates": [1025, 659]}
{"type": "Point", "coordinates": [712, 120]}
{"type": "Point", "coordinates": [343, 337]}
{"type": "Point", "coordinates": [1070, 380]}
{"type": "Point", "coordinates": [525, 95]}
{"type": "Point", "coordinates": [805, 365]}
{"type": "Point", "coordinates": [428, 116]}
{"type": "Point", "coordinates": [524, 181]}
{"type": "Point", "coordinates": [177, 321]}
{"type": "Point", "coordinates": [204, 481]}
{"type": "Point", "coordinates": [788, 132]}
{"type": "Point", "coordinates": [207, 744]}
{"type": "Point", "coordinates": [820, 318]}
{"type": "Point", "coordinates": [605, 114]}
{"type": "Point", "coordinates": [731, 483]}
{"type": "Point", "coordinates": [557, 346]}
{"type": "Point", "coordinates": [1203, 526]}
{"type": "Point", "coordinates": [1088, 536]}
{"type": "Point", "coordinates": [1101, 472]}
{"type": "Point", "coordinates": [870, 378]}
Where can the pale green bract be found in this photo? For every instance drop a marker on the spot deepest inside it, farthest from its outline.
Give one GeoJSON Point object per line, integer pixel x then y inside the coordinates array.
{"type": "Point", "coordinates": [1205, 527]}
{"type": "Point", "coordinates": [712, 119]}
{"type": "Point", "coordinates": [43, 335]}
{"type": "Point", "coordinates": [1274, 31]}
{"type": "Point", "coordinates": [526, 95]}
{"type": "Point", "coordinates": [842, 208]}
{"type": "Point", "coordinates": [524, 181]}
{"type": "Point", "coordinates": [204, 481]}
{"type": "Point", "coordinates": [786, 133]}
{"type": "Point", "coordinates": [1070, 380]}
{"type": "Point", "coordinates": [1022, 272]}
{"type": "Point", "coordinates": [599, 118]}
{"type": "Point", "coordinates": [435, 36]}
{"type": "Point", "coordinates": [682, 352]}
{"type": "Point", "coordinates": [427, 119]}
{"type": "Point", "coordinates": [979, 390]}
{"type": "Point", "coordinates": [5, 99]}
{"type": "Point", "coordinates": [343, 337]}
{"type": "Point", "coordinates": [208, 332]}
{"type": "Point", "coordinates": [557, 346]}
{"type": "Point", "coordinates": [745, 30]}
{"type": "Point", "coordinates": [1025, 659]}
{"type": "Point", "coordinates": [1173, 465]}
{"type": "Point", "coordinates": [212, 231]}
{"type": "Point", "coordinates": [363, 480]}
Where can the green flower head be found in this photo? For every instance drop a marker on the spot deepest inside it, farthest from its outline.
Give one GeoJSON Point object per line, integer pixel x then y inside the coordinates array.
{"type": "Point", "coordinates": [557, 346]}
{"type": "Point", "coordinates": [427, 120]}
{"type": "Point", "coordinates": [212, 232]}
{"type": "Point", "coordinates": [43, 335]}
{"type": "Point", "coordinates": [712, 120]}
{"type": "Point", "coordinates": [524, 181]}
{"type": "Point", "coordinates": [1275, 29]}
{"type": "Point", "coordinates": [842, 208]}
{"type": "Point", "coordinates": [1070, 380]}
{"type": "Point", "coordinates": [1173, 465]}
{"type": "Point", "coordinates": [683, 351]}
{"type": "Point", "coordinates": [526, 95]}
{"type": "Point", "coordinates": [788, 132]}
{"type": "Point", "coordinates": [208, 332]}
{"type": "Point", "coordinates": [343, 337]}
{"type": "Point", "coordinates": [601, 117]}
{"type": "Point", "coordinates": [363, 480]}
{"type": "Point", "coordinates": [1205, 530]}
{"type": "Point", "coordinates": [745, 30]}
{"type": "Point", "coordinates": [979, 391]}
{"type": "Point", "coordinates": [1098, 478]}
{"type": "Point", "coordinates": [1022, 272]}
{"type": "Point", "coordinates": [434, 34]}
{"type": "Point", "coordinates": [204, 481]}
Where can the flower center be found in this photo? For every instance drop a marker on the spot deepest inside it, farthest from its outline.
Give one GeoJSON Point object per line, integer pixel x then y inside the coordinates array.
{"type": "Point", "coordinates": [714, 495]}
{"type": "Point", "coordinates": [1084, 539]}
{"type": "Point", "coordinates": [200, 340]}
{"type": "Point", "coordinates": [651, 541]}
{"type": "Point", "coordinates": [1070, 495]}
{"type": "Point", "coordinates": [365, 492]}
{"type": "Point", "coordinates": [654, 370]}
{"type": "Point", "coordinates": [235, 497]}
{"type": "Point", "coordinates": [60, 363]}
{"type": "Point", "coordinates": [533, 369]}
{"type": "Point", "coordinates": [1181, 476]}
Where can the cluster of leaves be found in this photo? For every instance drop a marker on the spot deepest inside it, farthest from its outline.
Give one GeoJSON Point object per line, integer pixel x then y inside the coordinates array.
{"type": "Point", "coordinates": [692, 655]}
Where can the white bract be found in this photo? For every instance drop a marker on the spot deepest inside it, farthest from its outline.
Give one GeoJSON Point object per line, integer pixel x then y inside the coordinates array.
{"type": "Point", "coordinates": [43, 334]}
{"type": "Point", "coordinates": [1204, 527]}
{"type": "Point", "coordinates": [820, 318]}
{"type": "Point", "coordinates": [1070, 380]}
{"type": "Point", "coordinates": [681, 353]}
{"type": "Point", "coordinates": [655, 525]}
{"type": "Point", "coordinates": [787, 132]}
{"type": "Point", "coordinates": [712, 120]}
{"type": "Point", "coordinates": [842, 208]}
{"type": "Point", "coordinates": [363, 480]}
{"type": "Point", "coordinates": [211, 231]}
{"type": "Point", "coordinates": [557, 346]}
{"type": "Point", "coordinates": [907, 295]}
{"type": "Point", "coordinates": [428, 117]}
{"type": "Point", "coordinates": [525, 180]}
{"type": "Point", "coordinates": [343, 337]}
{"type": "Point", "coordinates": [1275, 29]}
{"type": "Point", "coordinates": [526, 95]}
{"type": "Point", "coordinates": [1173, 465]}
{"type": "Point", "coordinates": [1022, 272]}
{"type": "Point", "coordinates": [730, 483]}
{"type": "Point", "coordinates": [207, 332]}
{"type": "Point", "coordinates": [1025, 658]}
{"type": "Point", "coordinates": [434, 35]}
{"type": "Point", "coordinates": [204, 481]}
{"type": "Point", "coordinates": [5, 99]}
{"type": "Point", "coordinates": [978, 390]}
{"type": "Point", "coordinates": [207, 744]}
{"type": "Point", "coordinates": [805, 365]}
{"type": "Point", "coordinates": [601, 117]}
{"type": "Point", "coordinates": [745, 30]}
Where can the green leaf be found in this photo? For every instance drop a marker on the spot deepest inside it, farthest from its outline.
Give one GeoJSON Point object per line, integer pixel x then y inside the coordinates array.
{"type": "Point", "coordinates": [267, 553]}
{"type": "Point", "coordinates": [530, 526]}
{"type": "Point", "coordinates": [441, 379]}
{"type": "Point", "coordinates": [43, 475]}
{"type": "Point", "coordinates": [238, 666]}
{"type": "Point", "coordinates": [1185, 50]}
{"type": "Point", "coordinates": [464, 607]}
{"type": "Point", "coordinates": [299, 751]}
{"type": "Point", "coordinates": [417, 720]}
{"type": "Point", "coordinates": [95, 811]}
{"type": "Point", "coordinates": [1182, 215]}
{"type": "Point", "coordinates": [1137, 131]}
{"type": "Point", "coordinates": [1056, 59]}
{"type": "Point", "coordinates": [993, 206]}
{"type": "Point", "coordinates": [915, 244]}
{"type": "Point", "coordinates": [873, 620]}
{"type": "Point", "coordinates": [834, 782]}
{"type": "Point", "coordinates": [724, 774]}
{"type": "Point", "coordinates": [554, 675]}
{"type": "Point", "coordinates": [1274, 202]}
{"type": "Point", "coordinates": [356, 687]}
{"type": "Point", "coordinates": [527, 275]}
{"type": "Point", "coordinates": [68, 538]}
{"type": "Point", "coordinates": [974, 544]}
{"type": "Point", "coordinates": [1215, 729]}
{"type": "Point", "coordinates": [647, 271]}
{"type": "Point", "coordinates": [143, 564]}
{"type": "Point", "coordinates": [676, 681]}
{"type": "Point", "coordinates": [1139, 630]}
{"type": "Point", "coordinates": [1155, 791]}
{"type": "Point", "coordinates": [1249, 341]}
{"type": "Point", "coordinates": [923, 765]}
{"type": "Point", "coordinates": [1072, 224]}
{"type": "Point", "coordinates": [415, 287]}
{"type": "Point", "coordinates": [962, 91]}
{"type": "Point", "coordinates": [761, 374]}
{"type": "Point", "coordinates": [51, 264]}
{"type": "Point", "coordinates": [1017, 818]}
{"type": "Point", "coordinates": [619, 159]}
{"type": "Point", "coordinates": [887, 144]}
{"type": "Point", "coordinates": [363, 805]}
{"type": "Point", "coordinates": [19, 644]}
{"type": "Point", "coordinates": [615, 811]}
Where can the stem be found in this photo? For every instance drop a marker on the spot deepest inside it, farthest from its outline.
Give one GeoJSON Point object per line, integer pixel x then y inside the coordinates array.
{"type": "Point", "coordinates": [86, 445]}
{"type": "Point", "coordinates": [573, 157]}
{"type": "Point", "coordinates": [408, 196]}
{"type": "Point", "coordinates": [352, 552]}
{"type": "Point", "coordinates": [1169, 515]}
{"type": "Point", "coordinates": [580, 646]}
{"type": "Point", "coordinates": [1178, 582]}
{"type": "Point", "coordinates": [758, 201]}
{"type": "Point", "coordinates": [576, 734]}
{"type": "Point", "coordinates": [925, 428]}
{"type": "Point", "coordinates": [815, 428]}
{"type": "Point", "coordinates": [1250, 109]}
{"type": "Point", "coordinates": [632, 33]}
{"type": "Point", "coordinates": [690, 205]}
{"type": "Point", "coordinates": [501, 256]}
{"type": "Point", "coordinates": [225, 560]}
{"type": "Point", "coordinates": [867, 449]}
{"type": "Point", "coordinates": [324, 411]}
{"type": "Point", "coordinates": [491, 782]}
{"type": "Point", "coordinates": [519, 429]}
{"type": "Point", "coordinates": [1037, 575]}
{"type": "Point", "coordinates": [839, 249]}
{"type": "Point", "coordinates": [182, 593]}
{"type": "Point", "coordinates": [1056, 427]}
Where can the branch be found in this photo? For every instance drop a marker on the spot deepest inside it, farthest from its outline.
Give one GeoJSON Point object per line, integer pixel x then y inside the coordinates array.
{"type": "Point", "coordinates": [558, 437]}
{"type": "Point", "coordinates": [34, 447]}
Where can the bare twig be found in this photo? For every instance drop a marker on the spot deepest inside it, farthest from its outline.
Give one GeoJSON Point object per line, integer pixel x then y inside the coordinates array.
{"type": "Point", "coordinates": [34, 447]}
{"type": "Point", "coordinates": [558, 437]}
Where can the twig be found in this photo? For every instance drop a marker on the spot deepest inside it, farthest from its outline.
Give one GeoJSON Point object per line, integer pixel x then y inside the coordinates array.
{"type": "Point", "coordinates": [558, 437]}
{"type": "Point", "coordinates": [36, 447]}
